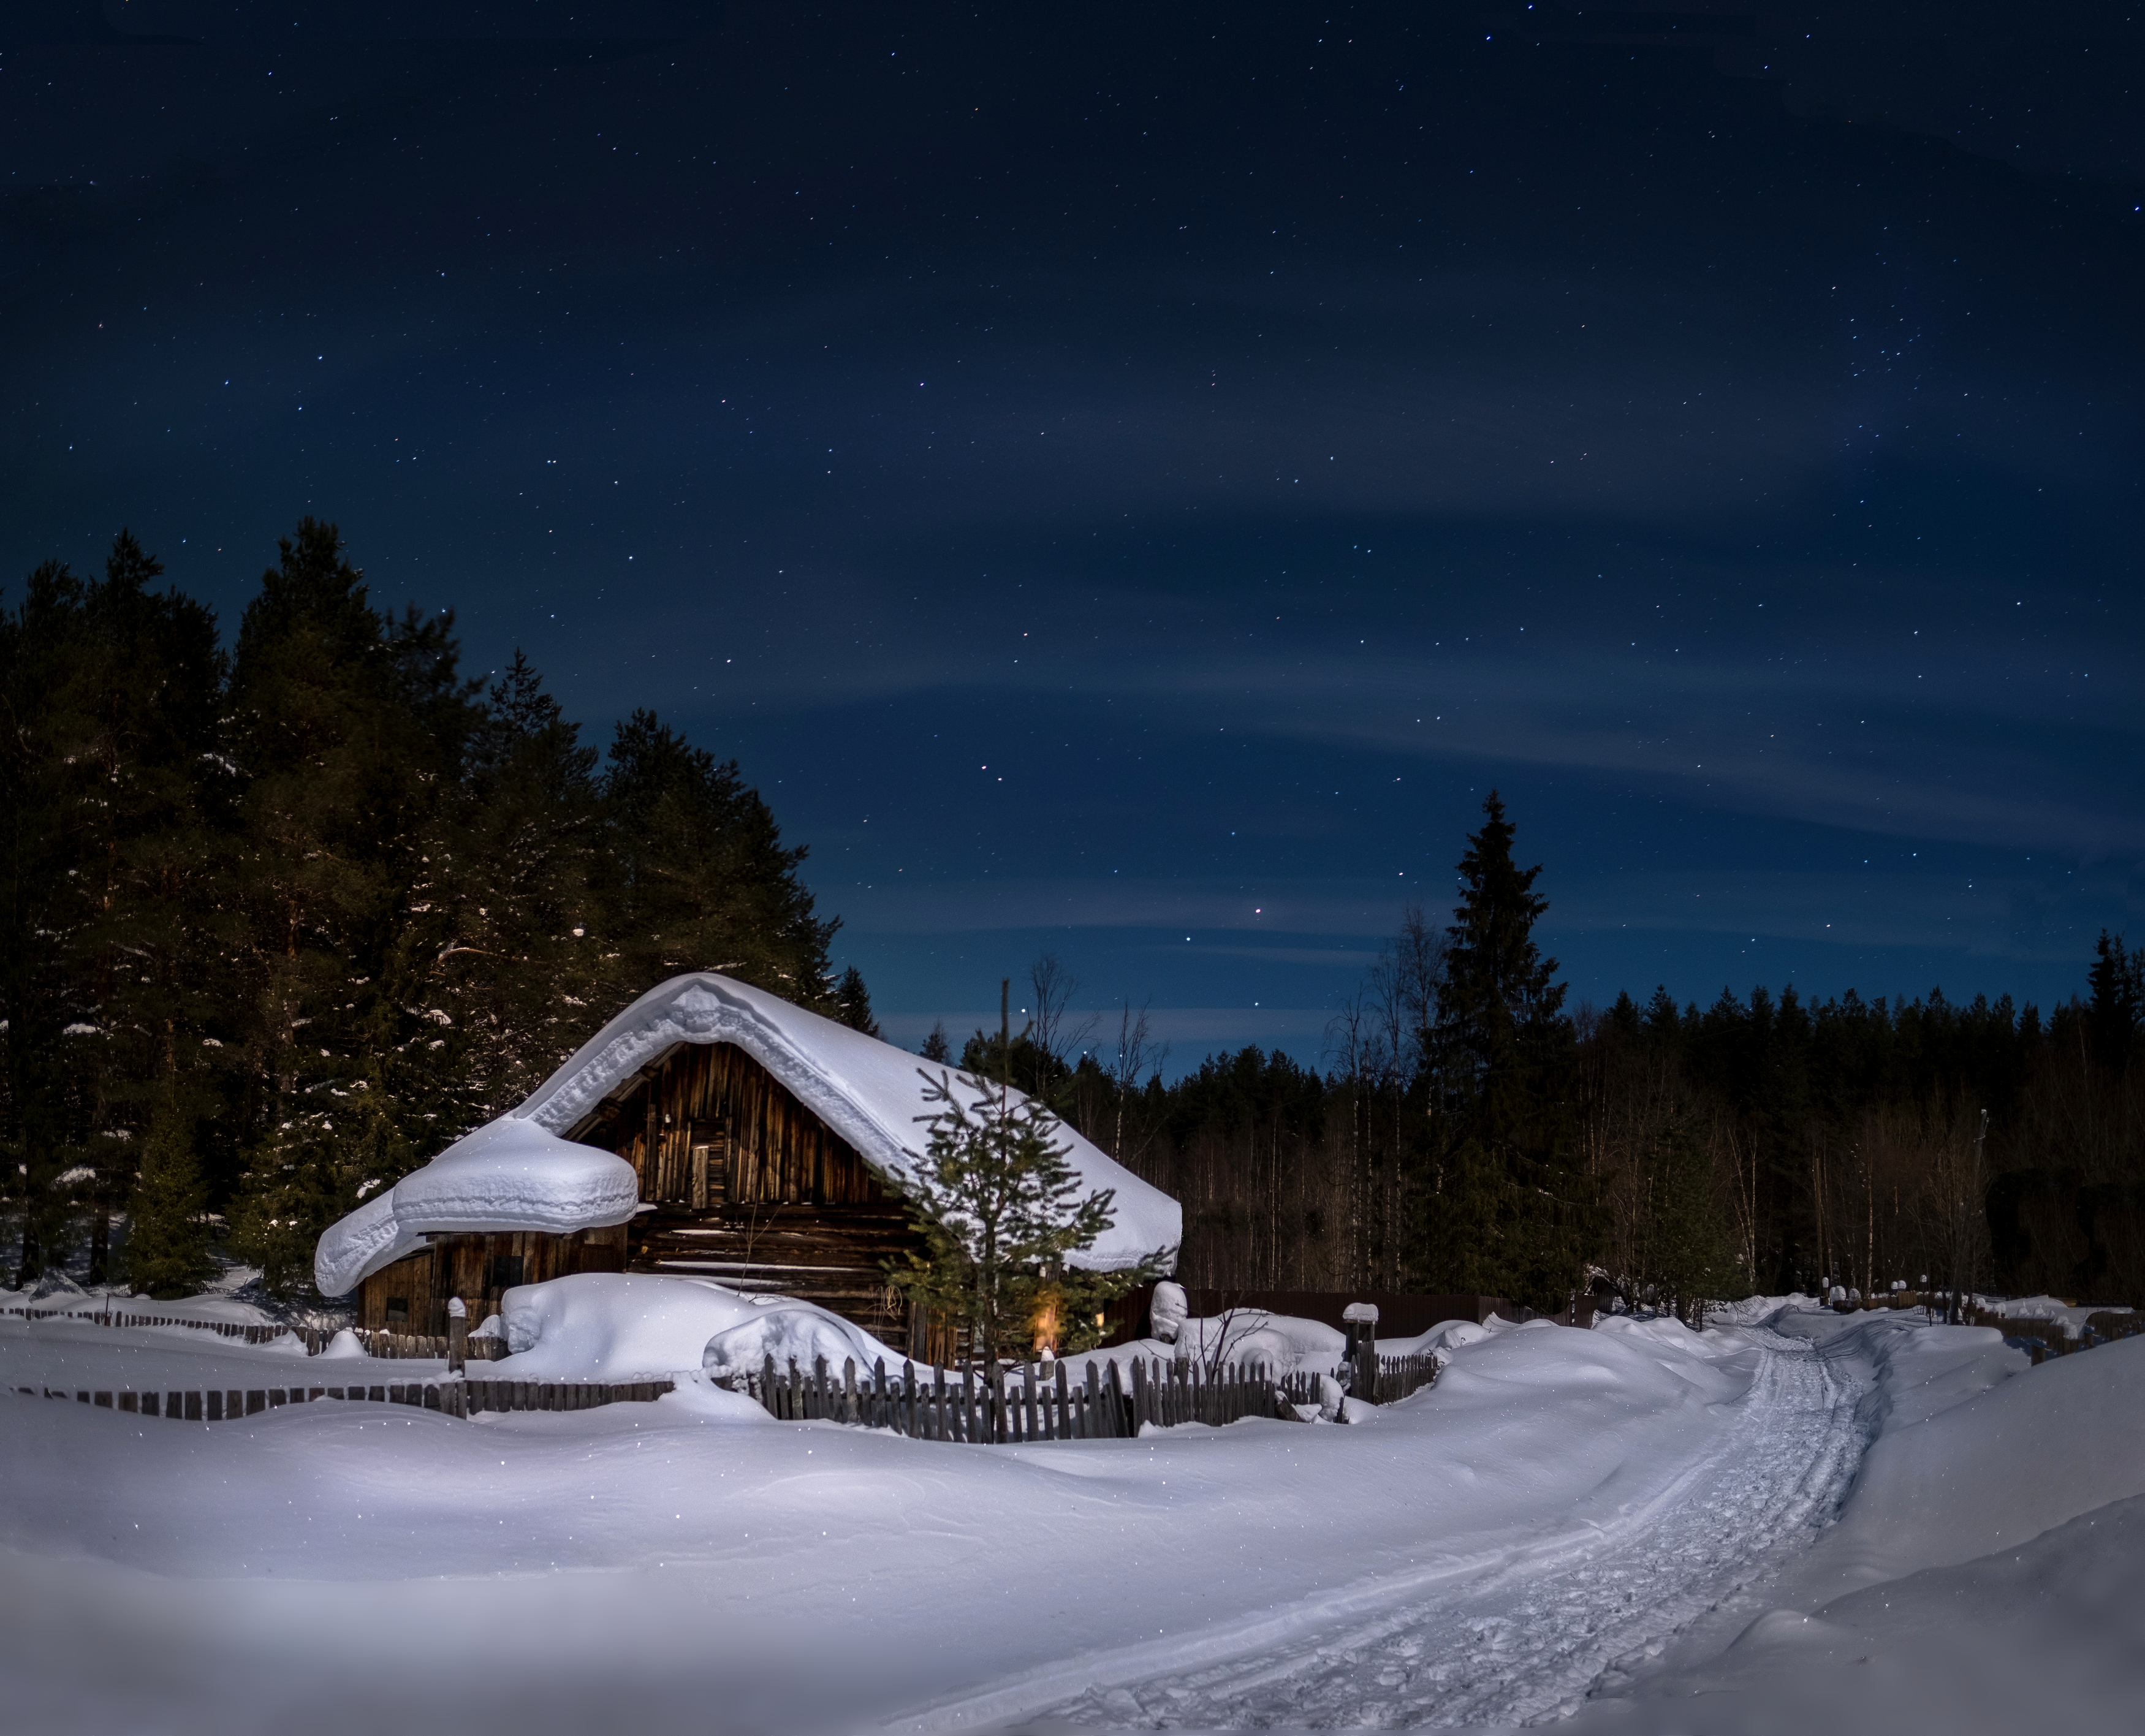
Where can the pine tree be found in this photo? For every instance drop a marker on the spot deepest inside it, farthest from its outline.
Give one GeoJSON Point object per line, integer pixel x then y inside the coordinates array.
{"type": "Point", "coordinates": [143, 707]}
{"type": "Point", "coordinates": [706, 883]}
{"type": "Point", "coordinates": [999, 1208]}
{"type": "Point", "coordinates": [2116, 1012]}
{"type": "Point", "coordinates": [349, 730]}
{"type": "Point", "coordinates": [42, 915]}
{"type": "Point", "coordinates": [508, 930]}
{"type": "Point", "coordinates": [167, 1231]}
{"type": "Point", "coordinates": [1507, 1210]}
{"type": "Point", "coordinates": [935, 1046]}
{"type": "Point", "coordinates": [852, 1003]}
{"type": "Point", "coordinates": [1687, 1256]}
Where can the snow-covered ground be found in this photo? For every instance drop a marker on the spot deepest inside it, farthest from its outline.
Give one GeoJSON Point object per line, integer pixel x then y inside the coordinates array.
{"type": "Point", "coordinates": [1631, 1523]}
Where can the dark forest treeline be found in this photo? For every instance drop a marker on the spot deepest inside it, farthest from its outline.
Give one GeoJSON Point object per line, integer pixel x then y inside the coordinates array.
{"type": "Point", "coordinates": [278, 920]}
{"type": "Point", "coordinates": [1469, 1136]}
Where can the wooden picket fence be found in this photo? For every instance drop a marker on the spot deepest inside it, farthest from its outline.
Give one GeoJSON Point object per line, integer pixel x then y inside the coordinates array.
{"type": "Point", "coordinates": [933, 1408]}
{"type": "Point", "coordinates": [1397, 1376]}
{"type": "Point", "coordinates": [451, 1398]}
{"type": "Point", "coordinates": [379, 1343]}
{"type": "Point", "coordinates": [1052, 1400]}
{"type": "Point", "coordinates": [387, 1345]}
{"type": "Point", "coordinates": [244, 1331]}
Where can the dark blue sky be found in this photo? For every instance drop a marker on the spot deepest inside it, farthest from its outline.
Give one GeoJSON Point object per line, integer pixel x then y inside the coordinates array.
{"type": "Point", "coordinates": [1130, 483]}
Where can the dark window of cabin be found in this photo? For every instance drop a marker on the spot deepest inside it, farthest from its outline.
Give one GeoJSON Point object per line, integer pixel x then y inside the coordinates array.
{"type": "Point", "coordinates": [398, 1308]}
{"type": "Point", "coordinates": [506, 1271]}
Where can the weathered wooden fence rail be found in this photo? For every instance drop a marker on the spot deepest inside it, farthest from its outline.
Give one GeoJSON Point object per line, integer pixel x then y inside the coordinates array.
{"type": "Point", "coordinates": [1052, 1400]}
{"type": "Point", "coordinates": [931, 1407]}
{"type": "Point", "coordinates": [1397, 1376]}
{"type": "Point", "coordinates": [378, 1342]}
{"type": "Point", "coordinates": [246, 1331]}
{"type": "Point", "coordinates": [386, 1345]}
{"type": "Point", "coordinates": [452, 1398]}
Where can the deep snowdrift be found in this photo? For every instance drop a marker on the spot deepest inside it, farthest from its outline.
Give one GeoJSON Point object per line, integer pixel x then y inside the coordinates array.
{"type": "Point", "coordinates": [1488, 1544]}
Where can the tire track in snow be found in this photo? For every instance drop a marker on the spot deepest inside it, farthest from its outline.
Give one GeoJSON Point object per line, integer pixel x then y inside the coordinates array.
{"type": "Point", "coordinates": [1528, 1642]}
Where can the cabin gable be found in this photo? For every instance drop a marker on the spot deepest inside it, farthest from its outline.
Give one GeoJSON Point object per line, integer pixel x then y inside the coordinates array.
{"type": "Point", "coordinates": [741, 1183]}
{"type": "Point", "coordinates": [705, 1127]}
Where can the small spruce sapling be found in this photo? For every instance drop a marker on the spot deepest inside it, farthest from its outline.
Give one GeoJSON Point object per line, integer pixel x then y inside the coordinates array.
{"type": "Point", "coordinates": [999, 1208]}
{"type": "Point", "coordinates": [168, 1240]}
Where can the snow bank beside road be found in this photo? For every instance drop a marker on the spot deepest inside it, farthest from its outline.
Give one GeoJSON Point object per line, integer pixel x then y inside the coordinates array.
{"type": "Point", "coordinates": [1981, 1451]}
{"type": "Point", "coordinates": [1988, 1572]}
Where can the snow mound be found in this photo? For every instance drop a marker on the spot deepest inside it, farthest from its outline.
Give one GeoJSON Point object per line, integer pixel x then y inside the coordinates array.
{"type": "Point", "coordinates": [1663, 1333]}
{"type": "Point", "coordinates": [509, 1175]}
{"type": "Point", "coordinates": [2072, 1318]}
{"type": "Point", "coordinates": [620, 1326]}
{"type": "Point", "coordinates": [1444, 1338]}
{"type": "Point", "coordinates": [1282, 1342]}
{"type": "Point", "coordinates": [1502, 1368]}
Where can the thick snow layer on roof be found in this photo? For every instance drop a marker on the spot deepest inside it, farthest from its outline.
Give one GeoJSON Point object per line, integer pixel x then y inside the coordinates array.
{"type": "Point", "coordinates": [869, 1092]}
{"type": "Point", "coordinates": [509, 1175]}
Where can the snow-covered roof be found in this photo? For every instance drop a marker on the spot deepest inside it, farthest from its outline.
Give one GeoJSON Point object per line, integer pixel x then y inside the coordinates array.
{"type": "Point", "coordinates": [520, 1173]}
{"type": "Point", "coordinates": [509, 1175]}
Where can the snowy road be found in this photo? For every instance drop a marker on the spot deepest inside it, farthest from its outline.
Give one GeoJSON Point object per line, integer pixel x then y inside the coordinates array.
{"type": "Point", "coordinates": [1527, 1639]}
{"type": "Point", "coordinates": [1550, 1514]}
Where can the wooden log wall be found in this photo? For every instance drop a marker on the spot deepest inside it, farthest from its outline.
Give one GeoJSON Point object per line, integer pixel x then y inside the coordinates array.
{"type": "Point", "coordinates": [707, 1125]}
{"type": "Point", "coordinates": [411, 1295]}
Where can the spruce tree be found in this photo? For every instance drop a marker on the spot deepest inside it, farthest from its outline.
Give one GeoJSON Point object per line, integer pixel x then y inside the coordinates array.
{"type": "Point", "coordinates": [509, 929]}
{"type": "Point", "coordinates": [42, 915]}
{"type": "Point", "coordinates": [852, 1003]}
{"type": "Point", "coordinates": [348, 729]}
{"type": "Point", "coordinates": [1687, 1256]}
{"type": "Point", "coordinates": [167, 1231]}
{"type": "Point", "coordinates": [2116, 1012]}
{"type": "Point", "coordinates": [1506, 1209]}
{"type": "Point", "coordinates": [1000, 1207]}
{"type": "Point", "coordinates": [705, 881]}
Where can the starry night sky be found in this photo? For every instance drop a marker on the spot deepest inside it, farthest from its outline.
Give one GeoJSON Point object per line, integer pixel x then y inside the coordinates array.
{"type": "Point", "coordinates": [1130, 480]}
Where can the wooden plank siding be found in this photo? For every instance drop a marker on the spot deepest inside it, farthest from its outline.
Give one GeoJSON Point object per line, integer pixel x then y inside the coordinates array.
{"type": "Point", "coordinates": [753, 1189]}
{"type": "Point", "coordinates": [411, 1294]}
{"type": "Point", "coordinates": [706, 1125]}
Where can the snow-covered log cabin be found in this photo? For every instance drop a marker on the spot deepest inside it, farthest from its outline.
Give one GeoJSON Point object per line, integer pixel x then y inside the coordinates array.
{"type": "Point", "coordinates": [711, 1130]}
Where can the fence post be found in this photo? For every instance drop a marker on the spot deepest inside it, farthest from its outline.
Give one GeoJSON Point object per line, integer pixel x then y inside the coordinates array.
{"type": "Point", "coordinates": [457, 1334]}
{"type": "Point", "coordinates": [849, 1413]}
